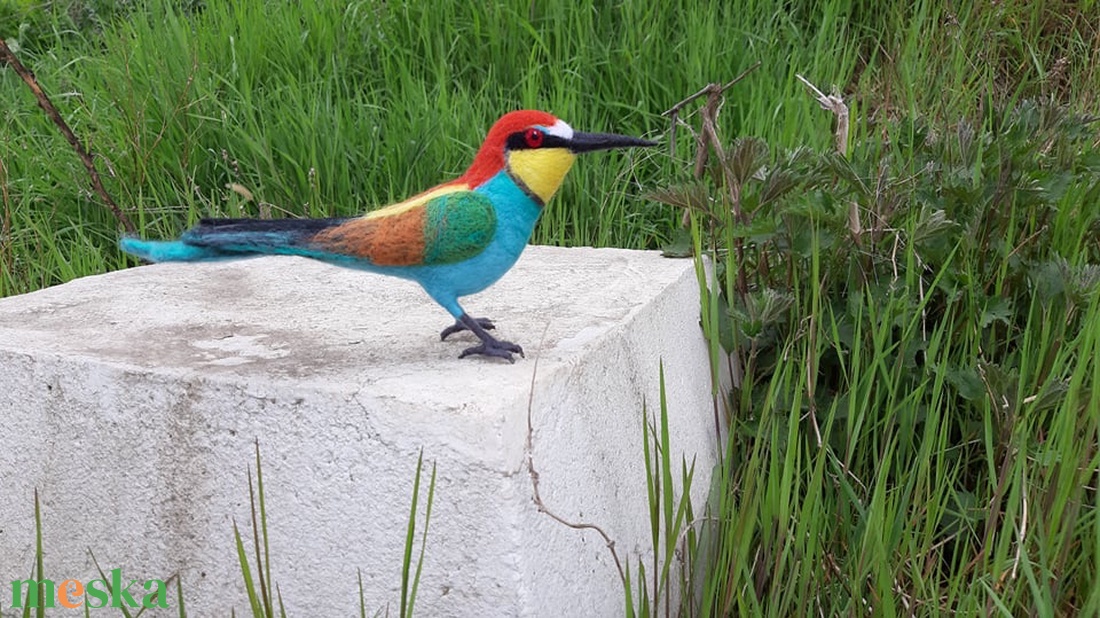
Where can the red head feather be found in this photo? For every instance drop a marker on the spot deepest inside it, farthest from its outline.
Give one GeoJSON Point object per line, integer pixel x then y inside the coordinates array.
{"type": "Point", "coordinates": [490, 157]}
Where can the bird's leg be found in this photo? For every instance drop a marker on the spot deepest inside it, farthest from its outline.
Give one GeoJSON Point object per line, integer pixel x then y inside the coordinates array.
{"type": "Point", "coordinates": [490, 346]}
{"type": "Point", "coordinates": [458, 327]}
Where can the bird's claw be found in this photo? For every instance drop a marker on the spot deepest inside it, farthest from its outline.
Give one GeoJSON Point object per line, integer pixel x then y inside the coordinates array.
{"type": "Point", "coordinates": [494, 348]}
{"type": "Point", "coordinates": [458, 327]}
{"type": "Point", "coordinates": [489, 346]}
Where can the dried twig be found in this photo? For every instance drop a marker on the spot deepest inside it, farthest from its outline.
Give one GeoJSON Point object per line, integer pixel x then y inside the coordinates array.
{"type": "Point", "coordinates": [5, 221]}
{"type": "Point", "coordinates": [835, 103]}
{"type": "Point", "coordinates": [1021, 532]}
{"type": "Point", "coordinates": [710, 90]}
{"type": "Point", "coordinates": [706, 140]}
{"type": "Point", "coordinates": [529, 453]}
{"type": "Point", "coordinates": [675, 109]}
{"type": "Point", "coordinates": [85, 154]}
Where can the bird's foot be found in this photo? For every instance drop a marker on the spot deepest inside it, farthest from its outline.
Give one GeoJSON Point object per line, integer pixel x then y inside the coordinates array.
{"type": "Point", "coordinates": [458, 327]}
{"type": "Point", "coordinates": [495, 348]}
{"type": "Point", "coordinates": [490, 346]}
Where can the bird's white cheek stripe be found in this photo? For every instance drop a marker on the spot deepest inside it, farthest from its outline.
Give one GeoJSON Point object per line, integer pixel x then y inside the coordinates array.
{"type": "Point", "coordinates": [560, 129]}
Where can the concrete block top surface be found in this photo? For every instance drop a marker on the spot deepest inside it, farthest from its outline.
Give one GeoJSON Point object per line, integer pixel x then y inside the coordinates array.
{"type": "Point", "coordinates": [279, 318]}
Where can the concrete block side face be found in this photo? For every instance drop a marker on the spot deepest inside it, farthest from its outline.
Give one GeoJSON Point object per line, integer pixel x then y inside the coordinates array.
{"type": "Point", "coordinates": [98, 446]}
{"type": "Point", "coordinates": [587, 448]}
{"type": "Point", "coordinates": [150, 471]}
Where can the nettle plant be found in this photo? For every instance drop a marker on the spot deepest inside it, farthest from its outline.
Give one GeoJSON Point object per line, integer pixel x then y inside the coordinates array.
{"type": "Point", "coordinates": [941, 252]}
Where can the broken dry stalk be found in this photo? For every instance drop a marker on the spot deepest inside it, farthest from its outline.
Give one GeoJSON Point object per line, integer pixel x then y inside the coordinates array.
{"type": "Point", "coordinates": [835, 103]}
{"type": "Point", "coordinates": [85, 154]}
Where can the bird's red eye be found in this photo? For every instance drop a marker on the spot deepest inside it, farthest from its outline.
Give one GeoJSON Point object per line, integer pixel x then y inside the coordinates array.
{"type": "Point", "coordinates": [533, 137]}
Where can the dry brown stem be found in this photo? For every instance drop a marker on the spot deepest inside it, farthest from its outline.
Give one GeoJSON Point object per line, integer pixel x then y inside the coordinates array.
{"type": "Point", "coordinates": [835, 103]}
{"type": "Point", "coordinates": [537, 497]}
{"type": "Point", "coordinates": [85, 154]}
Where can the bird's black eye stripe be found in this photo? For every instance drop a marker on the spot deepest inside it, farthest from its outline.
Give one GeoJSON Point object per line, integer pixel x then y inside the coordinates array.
{"type": "Point", "coordinates": [519, 141]}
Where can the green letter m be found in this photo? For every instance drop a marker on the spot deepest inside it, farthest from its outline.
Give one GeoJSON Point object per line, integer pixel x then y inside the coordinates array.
{"type": "Point", "coordinates": [33, 587]}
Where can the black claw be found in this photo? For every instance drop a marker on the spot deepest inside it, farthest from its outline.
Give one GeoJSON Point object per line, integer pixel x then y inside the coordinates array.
{"type": "Point", "coordinates": [494, 348]}
{"type": "Point", "coordinates": [458, 327]}
{"type": "Point", "coordinates": [489, 346]}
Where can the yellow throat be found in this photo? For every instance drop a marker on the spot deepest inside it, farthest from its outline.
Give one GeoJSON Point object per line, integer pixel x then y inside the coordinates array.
{"type": "Point", "coordinates": [540, 170]}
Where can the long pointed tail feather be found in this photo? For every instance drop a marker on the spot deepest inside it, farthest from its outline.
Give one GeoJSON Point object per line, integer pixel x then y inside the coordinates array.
{"type": "Point", "coordinates": [167, 250]}
{"type": "Point", "coordinates": [219, 239]}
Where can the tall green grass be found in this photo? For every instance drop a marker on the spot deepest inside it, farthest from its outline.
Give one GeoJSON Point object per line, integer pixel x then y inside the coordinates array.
{"type": "Point", "coordinates": [915, 413]}
{"type": "Point", "coordinates": [334, 108]}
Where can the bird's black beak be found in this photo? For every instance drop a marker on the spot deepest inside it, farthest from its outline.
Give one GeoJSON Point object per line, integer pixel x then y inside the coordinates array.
{"type": "Point", "coordinates": [588, 142]}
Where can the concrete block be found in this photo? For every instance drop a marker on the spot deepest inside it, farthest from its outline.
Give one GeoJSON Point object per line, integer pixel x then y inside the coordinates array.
{"type": "Point", "coordinates": [132, 400]}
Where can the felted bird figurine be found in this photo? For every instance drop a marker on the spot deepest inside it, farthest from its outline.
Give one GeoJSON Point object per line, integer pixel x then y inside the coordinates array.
{"type": "Point", "coordinates": [455, 239]}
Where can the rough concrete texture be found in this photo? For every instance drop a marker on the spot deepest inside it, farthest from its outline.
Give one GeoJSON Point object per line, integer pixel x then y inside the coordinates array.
{"type": "Point", "coordinates": [132, 400]}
